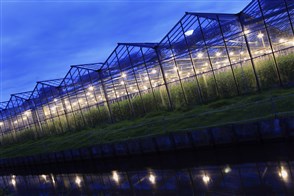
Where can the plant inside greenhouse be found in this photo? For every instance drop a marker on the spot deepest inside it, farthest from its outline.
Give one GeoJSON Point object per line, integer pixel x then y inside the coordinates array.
{"type": "Point", "coordinates": [204, 58]}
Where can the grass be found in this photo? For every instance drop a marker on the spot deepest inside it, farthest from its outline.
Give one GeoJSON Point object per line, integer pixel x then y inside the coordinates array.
{"type": "Point", "coordinates": [250, 107]}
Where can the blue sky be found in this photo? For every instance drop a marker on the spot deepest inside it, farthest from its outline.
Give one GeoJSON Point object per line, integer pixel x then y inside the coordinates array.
{"type": "Point", "coordinates": [41, 39]}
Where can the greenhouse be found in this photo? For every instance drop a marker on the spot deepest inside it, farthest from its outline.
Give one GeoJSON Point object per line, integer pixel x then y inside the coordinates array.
{"type": "Point", "coordinates": [204, 57]}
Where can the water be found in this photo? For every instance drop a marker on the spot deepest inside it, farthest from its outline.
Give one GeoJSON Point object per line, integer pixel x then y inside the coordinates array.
{"type": "Point", "coordinates": [249, 178]}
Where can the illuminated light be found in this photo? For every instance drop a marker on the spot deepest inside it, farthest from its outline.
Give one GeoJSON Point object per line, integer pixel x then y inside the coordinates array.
{"type": "Point", "coordinates": [13, 181]}
{"type": "Point", "coordinates": [283, 173]}
{"type": "Point", "coordinates": [146, 78]}
{"type": "Point", "coordinates": [68, 108]}
{"type": "Point", "coordinates": [78, 181]}
{"type": "Point", "coordinates": [166, 74]}
{"type": "Point", "coordinates": [75, 103]}
{"type": "Point", "coordinates": [180, 72]}
{"type": "Point", "coordinates": [153, 71]}
{"type": "Point", "coordinates": [91, 88]}
{"type": "Point", "coordinates": [55, 100]}
{"type": "Point", "coordinates": [88, 93]}
{"type": "Point", "coordinates": [231, 53]}
{"type": "Point", "coordinates": [246, 32]}
{"type": "Point", "coordinates": [44, 177]}
{"type": "Point", "coordinates": [81, 101]}
{"type": "Point", "coordinates": [200, 55]}
{"type": "Point", "coordinates": [123, 75]}
{"type": "Point", "coordinates": [1, 123]}
{"type": "Point", "coordinates": [242, 53]}
{"type": "Point", "coordinates": [53, 180]}
{"type": "Point", "coordinates": [227, 170]}
{"type": "Point", "coordinates": [218, 54]}
{"type": "Point", "coordinates": [115, 176]}
{"type": "Point", "coordinates": [15, 122]}
{"type": "Point", "coordinates": [206, 179]}
{"type": "Point", "coordinates": [152, 178]}
{"type": "Point", "coordinates": [260, 35]}
{"type": "Point", "coordinates": [175, 68]}
{"type": "Point", "coordinates": [189, 32]}
{"type": "Point", "coordinates": [122, 82]}
{"type": "Point", "coordinates": [145, 87]}
{"type": "Point", "coordinates": [27, 113]}
{"type": "Point", "coordinates": [257, 52]}
{"type": "Point", "coordinates": [282, 40]}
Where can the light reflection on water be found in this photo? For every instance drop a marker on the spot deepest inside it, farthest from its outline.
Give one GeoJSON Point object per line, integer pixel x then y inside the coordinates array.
{"type": "Point", "coordinates": [251, 178]}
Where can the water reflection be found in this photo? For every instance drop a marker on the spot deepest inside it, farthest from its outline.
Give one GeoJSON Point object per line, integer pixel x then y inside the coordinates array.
{"type": "Point", "coordinates": [250, 178]}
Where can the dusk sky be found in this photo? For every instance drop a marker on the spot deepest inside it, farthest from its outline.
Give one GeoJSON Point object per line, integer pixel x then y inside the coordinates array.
{"type": "Point", "coordinates": [41, 39]}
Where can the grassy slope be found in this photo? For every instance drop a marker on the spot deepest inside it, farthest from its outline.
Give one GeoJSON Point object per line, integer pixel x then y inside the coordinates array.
{"type": "Point", "coordinates": [250, 107]}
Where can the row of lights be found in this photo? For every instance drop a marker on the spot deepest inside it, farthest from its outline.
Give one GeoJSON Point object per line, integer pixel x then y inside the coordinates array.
{"type": "Point", "coordinates": [152, 178]}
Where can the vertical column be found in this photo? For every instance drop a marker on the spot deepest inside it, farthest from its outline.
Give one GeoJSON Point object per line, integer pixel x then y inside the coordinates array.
{"type": "Point", "coordinates": [177, 69]}
{"type": "Point", "coordinates": [289, 16]}
{"type": "Point", "coordinates": [124, 84]}
{"type": "Point", "coordinates": [208, 55]}
{"type": "Point", "coordinates": [143, 56]}
{"type": "Point", "coordinates": [127, 48]}
{"type": "Point", "coordinates": [192, 62]}
{"type": "Point", "coordinates": [270, 43]}
{"type": "Point", "coordinates": [164, 78]}
{"type": "Point", "coordinates": [105, 95]}
{"type": "Point", "coordinates": [250, 54]}
{"type": "Point", "coordinates": [228, 56]}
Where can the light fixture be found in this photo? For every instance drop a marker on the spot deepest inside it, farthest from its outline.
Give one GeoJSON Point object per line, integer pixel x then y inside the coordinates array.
{"type": "Point", "coordinates": [200, 55]}
{"type": "Point", "coordinates": [283, 173]}
{"type": "Point", "coordinates": [123, 75]}
{"type": "Point", "coordinates": [91, 88]}
{"type": "Point", "coordinates": [27, 113]}
{"type": "Point", "coordinates": [122, 82]}
{"type": "Point", "coordinates": [13, 181]}
{"type": "Point", "coordinates": [231, 53]}
{"type": "Point", "coordinates": [242, 53]}
{"type": "Point", "coordinates": [88, 93]}
{"type": "Point", "coordinates": [246, 31]}
{"type": "Point", "coordinates": [44, 177]}
{"type": "Point", "coordinates": [227, 169]}
{"type": "Point", "coordinates": [260, 35]}
{"type": "Point", "coordinates": [115, 176]}
{"type": "Point", "coordinates": [189, 32]}
{"type": "Point", "coordinates": [1, 123]}
{"type": "Point", "coordinates": [146, 78]}
{"type": "Point", "coordinates": [15, 122]}
{"type": "Point", "coordinates": [175, 68]}
{"type": "Point", "coordinates": [218, 54]}
{"type": "Point", "coordinates": [152, 178]}
{"type": "Point", "coordinates": [206, 179]}
{"type": "Point", "coordinates": [145, 87]}
{"type": "Point", "coordinates": [281, 40]}
{"type": "Point", "coordinates": [78, 180]}
{"type": "Point", "coordinates": [153, 71]}
{"type": "Point", "coordinates": [55, 100]}
{"type": "Point", "coordinates": [53, 180]}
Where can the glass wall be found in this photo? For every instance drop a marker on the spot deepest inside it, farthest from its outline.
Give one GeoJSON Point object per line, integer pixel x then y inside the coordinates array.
{"type": "Point", "coordinates": [203, 58]}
